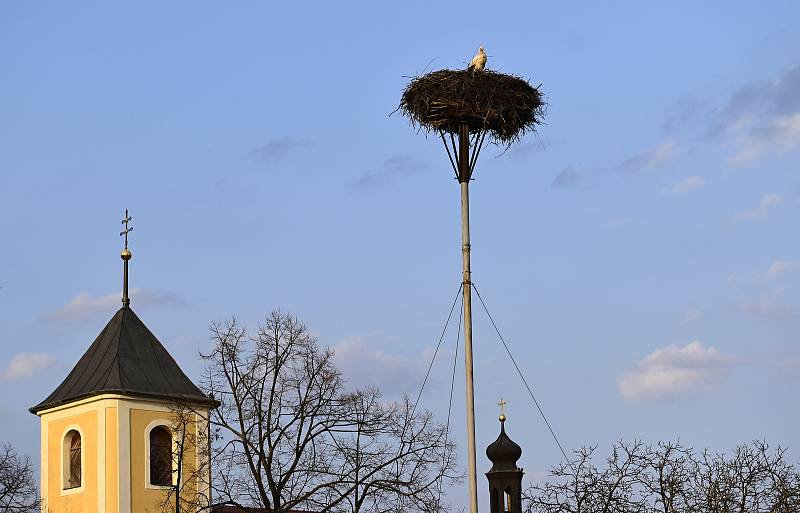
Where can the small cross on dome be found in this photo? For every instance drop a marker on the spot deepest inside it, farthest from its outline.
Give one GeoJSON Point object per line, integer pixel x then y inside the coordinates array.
{"type": "Point", "coordinates": [502, 405]}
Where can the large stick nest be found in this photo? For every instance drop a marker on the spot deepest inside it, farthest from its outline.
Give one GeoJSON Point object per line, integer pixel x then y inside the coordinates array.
{"type": "Point", "coordinates": [503, 105]}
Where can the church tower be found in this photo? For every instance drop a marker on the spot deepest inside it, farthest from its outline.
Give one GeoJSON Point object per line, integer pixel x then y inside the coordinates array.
{"type": "Point", "coordinates": [109, 432]}
{"type": "Point", "coordinates": [505, 478]}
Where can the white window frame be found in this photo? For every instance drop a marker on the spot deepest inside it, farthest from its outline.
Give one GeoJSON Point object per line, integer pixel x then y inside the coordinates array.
{"type": "Point", "coordinates": [154, 424]}
{"type": "Point", "coordinates": [65, 460]}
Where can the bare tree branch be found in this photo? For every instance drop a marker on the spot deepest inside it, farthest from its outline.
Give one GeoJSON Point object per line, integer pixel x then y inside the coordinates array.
{"type": "Point", "coordinates": [289, 435]}
{"type": "Point", "coordinates": [18, 490]}
{"type": "Point", "coordinates": [671, 478]}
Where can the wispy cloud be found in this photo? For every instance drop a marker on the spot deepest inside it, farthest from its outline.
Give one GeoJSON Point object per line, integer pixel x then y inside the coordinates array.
{"type": "Point", "coordinates": [762, 117]}
{"type": "Point", "coordinates": [767, 203]}
{"type": "Point", "coordinates": [569, 178]}
{"type": "Point", "coordinates": [692, 315]}
{"type": "Point", "coordinates": [398, 165]}
{"type": "Point", "coordinates": [651, 157]}
{"type": "Point", "coordinates": [278, 149]}
{"type": "Point", "coordinates": [759, 119]}
{"type": "Point", "coordinates": [25, 365]}
{"type": "Point", "coordinates": [524, 150]}
{"type": "Point", "coordinates": [781, 134]}
{"type": "Point", "coordinates": [764, 294]}
{"type": "Point", "coordinates": [689, 184]}
{"type": "Point", "coordinates": [672, 371]}
{"type": "Point", "coordinates": [234, 186]}
{"type": "Point", "coordinates": [778, 96]}
{"type": "Point", "coordinates": [782, 266]}
{"type": "Point", "coordinates": [84, 305]}
{"type": "Point", "coordinates": [770, 306]}
{"type": "Point", "coordinates": [687, 112]}
{"type": "Point", "coordinates": [365, 365]}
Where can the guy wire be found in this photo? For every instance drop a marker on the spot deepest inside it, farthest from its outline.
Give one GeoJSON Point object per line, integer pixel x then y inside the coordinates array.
{"type": "Point", "coordinates": [530, 391]}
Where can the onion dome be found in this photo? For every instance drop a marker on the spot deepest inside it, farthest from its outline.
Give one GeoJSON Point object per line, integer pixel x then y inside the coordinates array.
{"type": "Point", "coordinates": [503, 452]}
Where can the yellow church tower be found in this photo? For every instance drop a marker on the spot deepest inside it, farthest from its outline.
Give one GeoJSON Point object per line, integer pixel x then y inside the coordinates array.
{"type": "Point", "coordinates": [127, 429]}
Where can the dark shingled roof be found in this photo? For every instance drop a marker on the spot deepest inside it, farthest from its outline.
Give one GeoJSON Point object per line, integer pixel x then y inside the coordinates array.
{"type": "Point", "coordinates": [126, 358]}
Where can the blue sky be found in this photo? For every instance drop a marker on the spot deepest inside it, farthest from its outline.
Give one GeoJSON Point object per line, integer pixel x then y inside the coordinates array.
{"type": "Point", "coordinates": [640, 253]}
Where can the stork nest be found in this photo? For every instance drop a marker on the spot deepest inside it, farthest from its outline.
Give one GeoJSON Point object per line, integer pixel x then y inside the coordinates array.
{"type": "Point", "coordinates": [505, 106]}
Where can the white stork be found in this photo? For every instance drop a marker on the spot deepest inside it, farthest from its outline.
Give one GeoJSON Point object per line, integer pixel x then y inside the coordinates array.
{"type": "Point", "coordinates": [478, 62]}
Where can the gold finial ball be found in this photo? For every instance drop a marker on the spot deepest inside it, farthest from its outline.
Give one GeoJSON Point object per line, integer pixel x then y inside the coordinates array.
{"type": "Point", "coordinates": [502, 417]}
{"type": "Point", "coordinates": [126, 254]}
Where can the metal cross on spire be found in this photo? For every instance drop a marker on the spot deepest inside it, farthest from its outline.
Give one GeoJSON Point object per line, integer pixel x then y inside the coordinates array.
{"type": "Point", "coordinates": [127, 229]}
{"type": "Point", "coordinates": [125, 255]}
{"type": "Point", "coordinates": [502, 405]}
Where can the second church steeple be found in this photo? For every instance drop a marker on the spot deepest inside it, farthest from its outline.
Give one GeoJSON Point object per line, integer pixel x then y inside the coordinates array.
{"type": "Point", "coordinates": [505, 478]}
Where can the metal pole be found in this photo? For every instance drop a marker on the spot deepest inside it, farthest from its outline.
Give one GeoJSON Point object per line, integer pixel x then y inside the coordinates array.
{"type": "Point", "coordinates": [463, 178]}
{"type": "Point", "coordinates": [126, 301]}
{"type": "Point", "coordinates": [126, 255]}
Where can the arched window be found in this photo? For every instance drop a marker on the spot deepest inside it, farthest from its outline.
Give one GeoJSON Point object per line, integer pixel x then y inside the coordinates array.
{"type": "Point", "coordinates": [160, 456]}
{"type": "Point", "coordinates": [507, 504]}
{"type": "Point", "coordinates": [72, 459]}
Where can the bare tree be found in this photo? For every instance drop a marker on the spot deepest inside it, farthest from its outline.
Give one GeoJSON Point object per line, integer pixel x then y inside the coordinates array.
{"type": "Point", "coordinates": [191, 460]}
{"type": "Point", "coordinates": [573, 487]}
{"type": "Point", "coordinates": [670, 478]}
{"type": "Point", "coordinates": [18, 490]}
{"type": "Point", "coordinates": [289, 434]}
{"type": "Point", "coordinates": [393, 460]}
{"type": "Point", "coordinates": [666, 480]}
{"type": "Point", "coordinates": [783, 489]}
{"type": "Point", "coordinates": [582, 487]}
{"type": "Point", "coordinates": [752, 479]}
{"type": "Point", "coordinates": [711, 488]}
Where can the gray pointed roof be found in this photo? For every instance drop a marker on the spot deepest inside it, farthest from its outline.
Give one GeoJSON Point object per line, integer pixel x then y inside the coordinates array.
{"type": "Point", "coordinates": [126, 358]}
